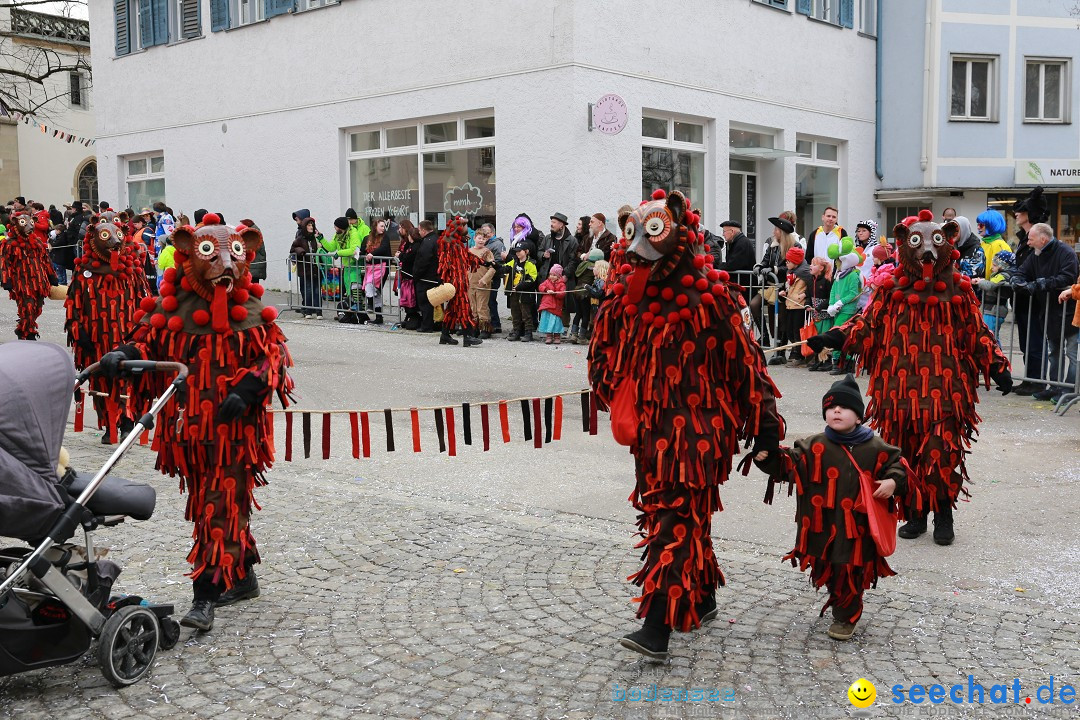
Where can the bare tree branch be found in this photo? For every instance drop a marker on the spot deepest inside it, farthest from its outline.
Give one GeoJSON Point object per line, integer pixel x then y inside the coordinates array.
{"type": "Point", "coordinates": [26, 3]}
{"type": "Point", "coordinates": [40, 51]}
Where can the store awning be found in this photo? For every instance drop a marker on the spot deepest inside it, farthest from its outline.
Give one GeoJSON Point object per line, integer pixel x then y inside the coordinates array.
{"type": "Point", "coordinates": [917, 196]}
{"type": "Point", "coordinates": [760, 153]}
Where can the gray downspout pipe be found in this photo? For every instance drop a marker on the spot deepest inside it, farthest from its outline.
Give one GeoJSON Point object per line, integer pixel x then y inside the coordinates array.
{"type": "Point", "coordinates": [877, 99]}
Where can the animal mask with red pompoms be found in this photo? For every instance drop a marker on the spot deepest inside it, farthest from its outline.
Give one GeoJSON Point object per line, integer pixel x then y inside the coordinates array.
{"type": "Point", "coordinates": [652, 230]}
{"type": "Point", "coordinates": [215, 254]}
{"type": "Point", "coordinates": [925, 248]}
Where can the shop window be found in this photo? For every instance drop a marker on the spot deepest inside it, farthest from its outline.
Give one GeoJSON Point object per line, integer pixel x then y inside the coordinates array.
{"type": "Point", "coordinates": [894, 214]}
{"type": "Point", "coordinates": [817, 181]}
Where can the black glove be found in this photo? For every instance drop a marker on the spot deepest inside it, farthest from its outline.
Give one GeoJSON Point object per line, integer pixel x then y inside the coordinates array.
{"type": "Point", "coordinates": [240, 397]}
{"type": "Point", "coordinates": [1021, 286]}
{"type": "Point", "coordinates": [6, 285]}
{"type": "Point", "coordinates": [768, 440]}
{"type": "Point", "coordinates": [1003, 380]}
{"type": "Point", "coordinates": [110, 363]}
{"type": "Point", "coordinates": [1042, 284]}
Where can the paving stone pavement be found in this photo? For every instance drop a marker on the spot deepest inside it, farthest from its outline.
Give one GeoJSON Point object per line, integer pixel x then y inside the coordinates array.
{"type": "Point", "coordinates": [492, 585]}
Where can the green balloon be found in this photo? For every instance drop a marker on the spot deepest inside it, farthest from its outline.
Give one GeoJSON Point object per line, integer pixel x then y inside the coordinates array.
{"type": "Point", "coordinates": [847, 245]}
{"type": "Point", "coordinates": [834, 252]}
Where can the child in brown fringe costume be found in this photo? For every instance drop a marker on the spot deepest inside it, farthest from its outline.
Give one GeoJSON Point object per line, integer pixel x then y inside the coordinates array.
{"type": "Point", "coordinates": [673, 358]}
{"type": "Point", "coordinates": [105, 291]}
{"type": "Point", "coordinates": [26, 271]}
{"type": "Point", "coordinates": [924, 343]}
{"type": "Point", "coordinates": [218, 438]}
{"type": "Point", "coordinates": [834, 537]}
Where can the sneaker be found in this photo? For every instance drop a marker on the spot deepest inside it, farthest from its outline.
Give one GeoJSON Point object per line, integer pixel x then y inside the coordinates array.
{"type": "Point", "coordinates": [777, 359]}
{"type": "Point", "coordinates": [200, 616]}
{"type": "Point", "coordinates": [526, 336]}
{"type": "Point", "coordinates": [583, 340]}
{"type": "Point", "coordinates": [798, 362]}
{"type": "Point", "coordinates": [514, 336]}
{"type": "Point", "coordinates": [1052, 394]}
{"type": "Point", "coordinates": [485, 335]}
{"type": "Point", "coordinates": [246, 589]}
{"type": "Point", "coordinates": [841, 630]}
{"type": "Point", "coordinates": [1026, 388]}
{"type": "Point", "coordinates": [650, 642]}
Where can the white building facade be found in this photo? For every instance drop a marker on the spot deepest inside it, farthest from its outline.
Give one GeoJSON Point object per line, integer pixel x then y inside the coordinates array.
{"type": "Point", "coordinates": [486, 108]}
{"type": "Point", "coordinates": [982, 101]}
{"type": "Point", "coordinates": [37, 164]}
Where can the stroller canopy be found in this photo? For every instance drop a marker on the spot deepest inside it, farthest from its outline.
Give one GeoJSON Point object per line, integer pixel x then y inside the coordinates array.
{"type": "Point", "coordinates": [36, 381]}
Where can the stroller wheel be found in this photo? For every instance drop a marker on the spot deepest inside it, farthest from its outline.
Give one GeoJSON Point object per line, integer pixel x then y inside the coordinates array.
{"type": "Point", "coordinates": [128, 644]}
{"type": "Point", "coordinates": [170, 633]}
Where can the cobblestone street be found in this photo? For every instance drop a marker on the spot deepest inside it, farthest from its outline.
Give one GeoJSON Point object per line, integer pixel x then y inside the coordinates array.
{"type": "Point", "coordinates": [492, 585]}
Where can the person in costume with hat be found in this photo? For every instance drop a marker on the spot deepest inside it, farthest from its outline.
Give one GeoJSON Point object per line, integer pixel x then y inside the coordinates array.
{"type": "Point", "coordinates": [455, 262]}
{"type": "Point", "coordinates": [771, 272]}
{"type": "Point", "coordinates": [561, 248]}
{"type": "Point", "coordinates": [26, 271]}
{"type": "Point", "coordinates": [674, 359]}
{"type": "Point", "coordinates": [218, 438]}
{"type": "Point", "coordinates": [835, 537]}
{"type": "Point", "coordinates": [924, 343]}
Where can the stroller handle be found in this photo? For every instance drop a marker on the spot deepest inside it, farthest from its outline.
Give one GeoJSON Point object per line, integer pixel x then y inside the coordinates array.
{"type": "Point", "coordinates": [138, 367]}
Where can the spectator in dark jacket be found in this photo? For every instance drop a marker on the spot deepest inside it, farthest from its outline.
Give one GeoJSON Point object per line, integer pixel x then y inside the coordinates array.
{"type": "Point", "coordinates": [426, 273]}
{"type": "Point", "coordinates": [1051, 267]}
{"type": "Point", "coordinates": [738, 250]}
{"type": "Point", "coordinates": [601, 236]}
{"type": "Point", "coordinates": [305, 249]}
{"type": "Point", "coordinates": [560, 248]}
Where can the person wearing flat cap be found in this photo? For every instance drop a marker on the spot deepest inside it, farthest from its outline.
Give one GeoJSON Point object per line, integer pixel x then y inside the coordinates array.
{"type": "Point", "coordinates": [560, 248]}
{"type": "Point", "coordinates": [738, 250]}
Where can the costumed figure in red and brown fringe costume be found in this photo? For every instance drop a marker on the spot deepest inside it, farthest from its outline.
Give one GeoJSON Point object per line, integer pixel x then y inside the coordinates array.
{"type": "Point", "coordinates": [219, 439]}
{"type": "Point", "coordinates": [924, 343]}
{"type": "Point", "coordinates": [673, 358]}
{"type": "Point", "coordinates": [455, 264]}
{"type": "Point", "coordinates": [102, 300]}
{"type": "Point", "coordinates": [25, 269]}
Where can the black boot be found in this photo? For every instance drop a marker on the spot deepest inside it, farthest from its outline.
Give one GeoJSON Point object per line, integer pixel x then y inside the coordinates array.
{"type": "Point", "coordinates": [527, 336]}
{"type": "Point", "coordinates": [706, 609]}
{"type": "Point", "coordinates": [471, 338]}
{"type": "Point", "coordinates": [445, 338]}
{"type": "Point", "coordinates": [201, 614]}
{"type": "Point", "coordinates": [652, 639]}
{"type": "Point", "coordinates": [246, 589]}
{"type": "Point", "coordinates": [913, 528]}
{"type": "Point", "coordinates": [485, 335]}
{"type": "Point", "coordinates": [943, 526]}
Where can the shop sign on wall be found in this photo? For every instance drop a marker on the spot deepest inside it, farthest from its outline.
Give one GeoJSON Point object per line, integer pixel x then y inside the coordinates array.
{"type": "Point", "coordinates": [609, 114]}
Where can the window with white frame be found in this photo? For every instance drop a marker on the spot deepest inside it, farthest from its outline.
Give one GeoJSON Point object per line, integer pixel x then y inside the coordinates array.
{"type": "Point", "coordinates": [78, 91]}
{"type": "Point", "coordinates": [827, 10]}
{"type": "Point", "coordinates": [895, 214]}
{"type": "Point", "coordinates": [185, 20]}
{"type": "Point", "coordinates": [817, 180]}
{"type": "Point", "coordinates": [145, 178]}
{"type": "Point", "coordinates": [426, 169]}
{"type": "Point", "coordinates": [974, 78]}
{"type": "Point", "coordinates": [868, 17]}
{"type": "Point", "coordinates": [781, 4]}
{"type": "Point", "coordinates": [1046, 90]}
{"type": "Point", "coordinates": [248, 11]}
{"type": "Point", "coordinates": [673, 150]}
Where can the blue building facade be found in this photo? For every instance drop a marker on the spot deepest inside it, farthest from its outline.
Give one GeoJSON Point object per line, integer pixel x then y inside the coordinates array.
{"type": "Point", "coordinates": [979, 103]}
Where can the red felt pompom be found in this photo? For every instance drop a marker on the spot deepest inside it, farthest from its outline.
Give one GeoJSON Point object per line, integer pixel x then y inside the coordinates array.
{"type": "Point", "coordinates": [708, 300]}
{"type": "Point", "coordinates": [624, 269]}
{"type": "Point", "coordinates": [169, 304]}
{"type": "Point", "coordinates": [240, 296]}
{"type": "Point", "coordinates": [244, 281]}
{"type": "Point", "coordinates": [148, 304]}
{"type": "Point", "coordinates": [179, 257]}
{"type": "Point", "coordinates": [919, 285]}
{"type": "Point", "coordinates": [905, 281]}
{"type": "Point", "coordinates": [687, 280]}
{"type": "Point", "coordinates": [939, 286]}
{"type": "Point", "coordinates": [926, 216]}
{"type": "Point", "coordinates": [138, 316]}
{"type": "Point", "coordinates": [718, 290]}
{"type": "Point", "coordinates": [211, 219]}
{"type": "Point", "coordinates": [932, 300]}
{"type": "Point", "coordinates": [652, 290]}
{"type": "Point", "coordinates": [955, 254]}
{"type": "Point", "coordinates": [185, 284]}
{"type": "Point", "coordinates": [956, 300]}
{"type": "Point", "coordinates": [251, 256]}
{"type": "Point", "coordinates": [631, 310]}
{"type": "Point", "coordinates": [169, 275]}
{"type": "Point", "coordinates": [667, 293]}
{"type": "Point", "coordinates": [238, 313]}
{"type": "Point", "coordinates": [176, 323]}
{"type": "Point", "coordinates": [618, 288]}
{"type": "Point", "coordinates": [699, 261]}
{"type": "Point", "coordinates": [713, 275]}
{"type": "Point", "coordinates": [913, 299]}
{"type": "Point", "coordinates": [888, 284]}
{"type": "Point", "coordinates": [268, 314]}
{"type": "Point", "coordinates": [673, 317]}
{"type": "Point", "coordinates": [200, 318]}
{"type": "Point", "coordinates": [682, 301]}
{"type": "Point", "coordinates": [658, 194]}
{"type": "Point", "coordinates": [647, 317]}
{"type": "Point", "coordinates": [654, 307]}
{"type": "Point", "coordinates": [658, 322]}
{"type": "Point", "coordinates": [96, 263]}
{"type": "Point", "coordinates": [157, 320]}
{"type": "Point", "coordinates": [701, 284]}
{"type": "Point", "coordinates": [898, 295]}
{"type": "Point", "coordinates": [166, 289]}
{"type": "Point", "coordinates": [685, 313]}
{"type": "Point", "coordinates": [257, 290]}
{"type": "Point", "coordinates": [723, 276]}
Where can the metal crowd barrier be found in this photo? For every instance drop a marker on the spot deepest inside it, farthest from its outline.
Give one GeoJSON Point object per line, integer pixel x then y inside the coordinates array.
{"type": "Point", "coordinates": [319, 285]}
{"type": "Point", "coordinates": [1041, 351]}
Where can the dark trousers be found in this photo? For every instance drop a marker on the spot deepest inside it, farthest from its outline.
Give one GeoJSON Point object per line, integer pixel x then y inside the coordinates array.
{"type": "Point", "coordinates": [427, 310]}
{"type": "Point", "coordinates": [493, 303]}
{"type": "Point", "coordinates": [523, 312]}
{"type": "Point", "coordinates": [310, 288]}
{"type": "Point", "coordinates": [840, 591]}
{"type": "Point", "coordinates": [1029, 329]}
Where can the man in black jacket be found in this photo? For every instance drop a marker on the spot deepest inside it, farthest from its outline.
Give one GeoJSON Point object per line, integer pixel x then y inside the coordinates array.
{"type": "Point", "coordinates": [739, 251]}
{"type": "Point", "coordinates": [1028, 212]}
{"type": "Point", "coordinates": [560, 247]}
{"type": "Point", "coordinates": [1051, 267]}
{"type": "Point", "coordinates": [426, 273]}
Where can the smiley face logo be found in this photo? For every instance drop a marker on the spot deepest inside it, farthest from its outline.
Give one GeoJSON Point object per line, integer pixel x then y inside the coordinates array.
{"type": "Point", "coordinates": [862, 693]}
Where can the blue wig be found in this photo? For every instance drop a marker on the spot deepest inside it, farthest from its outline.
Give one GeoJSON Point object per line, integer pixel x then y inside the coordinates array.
{"type": "Point", "coordinates": [992, 221]}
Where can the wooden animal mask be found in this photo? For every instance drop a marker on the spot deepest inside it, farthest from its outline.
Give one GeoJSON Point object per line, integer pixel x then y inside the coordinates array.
{"type": "Point", "coordinates": [651, 231]}
{"type": "Point", "coordinates": [23, 224]}
{"type": "Point", "coordinates": [105, 238]}
{"type": "Point", "coordinates": [926, 248]}
{"type": "Point", "coordinates": [215, 255]}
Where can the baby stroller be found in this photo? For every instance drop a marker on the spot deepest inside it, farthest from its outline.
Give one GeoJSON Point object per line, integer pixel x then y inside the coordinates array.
{"type": "Point", "coordinates": [54, 596]}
